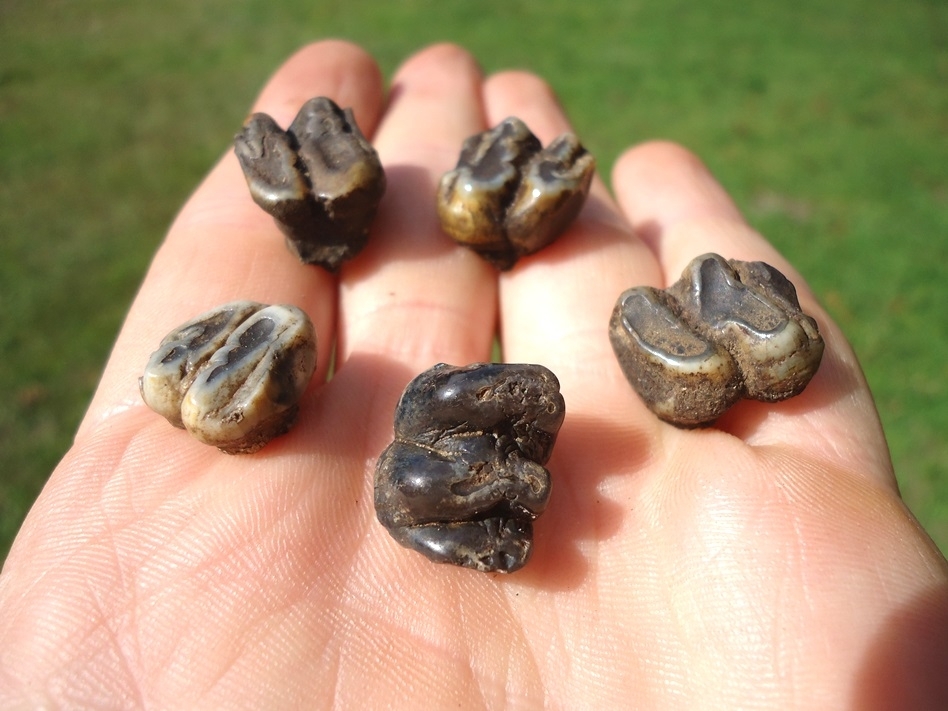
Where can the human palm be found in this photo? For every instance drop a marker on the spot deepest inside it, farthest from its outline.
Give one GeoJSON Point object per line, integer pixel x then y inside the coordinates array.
{"type": "Point", "coordinates": [766, 562]}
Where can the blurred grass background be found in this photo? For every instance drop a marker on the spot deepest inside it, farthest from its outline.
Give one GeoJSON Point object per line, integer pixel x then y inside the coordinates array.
{"type": "Point", "coordinates": [828, 122]}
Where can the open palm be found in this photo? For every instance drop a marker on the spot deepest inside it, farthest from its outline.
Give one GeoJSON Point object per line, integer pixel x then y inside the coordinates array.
{"type": "Point", "coordinates": [767, 562]}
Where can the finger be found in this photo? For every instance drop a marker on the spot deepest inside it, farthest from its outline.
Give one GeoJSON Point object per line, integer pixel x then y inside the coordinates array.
{"type": "Point", "coordinates": [415, 298]}
{"type": "Point", "coordinates": [684, 210]}
{"type": "Point", "coordinates": [681, 211]}
{"type": "Point", "coordinates": [223, 247]}
{"type": "Point", "coordinates": [556, 304]}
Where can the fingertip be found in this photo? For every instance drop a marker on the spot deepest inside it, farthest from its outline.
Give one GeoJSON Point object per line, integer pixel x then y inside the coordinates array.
{"type": "Point", "coordinates": [339, 69]}
{"type": "Point", "coordinates": [529, 97]}
{"type": "Point", "coordinates": [435, 93]}
{"type": "Point", "coordinates": [222, 246]}
{"type": "Point", "coordinates": [440, 57]}
{"type": "Point", "coordinates": [660, 183]}
{"type": "Point", "coordinates": [659, 150]}
{"type": "Point", "coordinates": [680, 210]}
{"type": "Point", "coordinates": [414, 296]}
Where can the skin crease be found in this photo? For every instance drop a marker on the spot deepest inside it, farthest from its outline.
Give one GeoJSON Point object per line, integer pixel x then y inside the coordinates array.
{"type": "Point", "coordinates": [767, 562]}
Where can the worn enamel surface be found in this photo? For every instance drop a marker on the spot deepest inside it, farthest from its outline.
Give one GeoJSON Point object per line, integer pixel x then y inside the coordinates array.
{"type": "Point", "coordinates": [233, 376]}
{"type": "Point", "coordinates": [320, 179]}
{"type": "Point", "coordinates": [508, 196]}
{"type": "Point", "coordinates": [725, 331]}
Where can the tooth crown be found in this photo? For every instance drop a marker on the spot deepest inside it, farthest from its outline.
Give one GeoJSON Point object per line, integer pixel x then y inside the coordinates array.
{"type": "Point", "coordinates": [508, 196]}
{"type": "Point", "coordinates": [464, 478]}
{"type": "Point", "coordinates": [233, 376]}
{"type": "Point", "coordinates": [726, 330]}
{"type": "Point", "coordinates": [321, 180]}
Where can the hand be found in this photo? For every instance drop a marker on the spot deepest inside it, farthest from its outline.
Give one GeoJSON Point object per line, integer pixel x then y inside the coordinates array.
{"type": "Point", "coordinates": [767, 562]}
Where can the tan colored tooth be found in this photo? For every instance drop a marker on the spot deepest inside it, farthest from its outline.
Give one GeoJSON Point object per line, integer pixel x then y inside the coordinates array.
{"type": "Point", "coordinates": [233, 376]}
{"type": "Point", "coordinates": [183, 352]}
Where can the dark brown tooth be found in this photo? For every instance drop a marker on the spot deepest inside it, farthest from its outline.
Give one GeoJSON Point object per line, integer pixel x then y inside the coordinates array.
{"type": "Point", "coordinates": [321, 180]}
{"type": "Point", "coordinates": [464, 478]}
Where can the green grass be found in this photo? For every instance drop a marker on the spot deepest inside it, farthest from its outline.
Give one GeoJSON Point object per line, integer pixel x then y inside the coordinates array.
{"type": "Point", "coordinates": [827, 121]}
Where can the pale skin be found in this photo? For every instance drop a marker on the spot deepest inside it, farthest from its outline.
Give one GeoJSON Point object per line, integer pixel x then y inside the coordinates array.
{"type": "Point", "coordinates": [767, 562]}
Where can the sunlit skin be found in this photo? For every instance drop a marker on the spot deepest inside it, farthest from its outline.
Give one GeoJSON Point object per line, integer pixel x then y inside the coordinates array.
{"type": "Point", "coordinates": [767, 562]}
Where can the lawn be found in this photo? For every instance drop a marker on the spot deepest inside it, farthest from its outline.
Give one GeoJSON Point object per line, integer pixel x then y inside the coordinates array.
{"type": "Point", "coordinates": [828, 122]}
